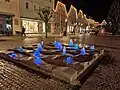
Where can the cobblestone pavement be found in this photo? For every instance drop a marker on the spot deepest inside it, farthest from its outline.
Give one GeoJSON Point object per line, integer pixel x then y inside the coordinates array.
{"type": "Point", "coordinates": [106, 76]}
{"type": "Point", "coordinates": [15, 78]}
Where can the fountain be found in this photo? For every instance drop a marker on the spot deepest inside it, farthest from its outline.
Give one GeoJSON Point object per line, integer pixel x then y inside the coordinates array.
{"type": "Point", "coordinates": [82, 51]}
{"type": "Point", "coordinates": [71, 42]}
{"type": "Point", "coordinates": [69, 60]}
{"type": "Point", "coordinates": [64, 51]}
{"type": "Point", "coordinates": [76, 47]}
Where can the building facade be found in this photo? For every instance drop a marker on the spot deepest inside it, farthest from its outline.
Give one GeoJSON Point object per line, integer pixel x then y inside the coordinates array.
{"type": "Point", "coordinates": [72, 19]}
{"type": "Point", "coordinates": [30, 19]}
{"type": "Point", "coordinates": [9, 17]}
{"type": "Point", "coordinates": [59, 16]}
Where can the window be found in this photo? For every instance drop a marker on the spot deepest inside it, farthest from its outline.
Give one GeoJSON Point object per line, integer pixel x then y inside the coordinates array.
{"type": "Point", "coordinates": [35, 7]}
{"type": "Point", "coordinates": [26, 5]}
{"type": "Point", "coordinates": [7, 0]}
{"type": "Point", "coordinates": [39, 8]}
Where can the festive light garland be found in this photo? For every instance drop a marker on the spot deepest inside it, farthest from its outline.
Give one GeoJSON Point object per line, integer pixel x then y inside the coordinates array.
{"type": "Point", "coordinates": [70, 10]}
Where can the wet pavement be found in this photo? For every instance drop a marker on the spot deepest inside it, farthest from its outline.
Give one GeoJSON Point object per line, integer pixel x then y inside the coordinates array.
{"type": "Point", "coordinates": [15, 78]}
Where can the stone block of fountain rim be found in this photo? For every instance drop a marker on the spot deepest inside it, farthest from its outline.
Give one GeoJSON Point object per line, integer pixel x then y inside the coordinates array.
{"type": "Point", "coordinates": [65, 73]}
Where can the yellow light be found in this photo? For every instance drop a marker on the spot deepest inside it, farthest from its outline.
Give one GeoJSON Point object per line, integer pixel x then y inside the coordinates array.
{"type": "Point", "coordinates": [80, 13]}
{"type": "Point", "coordinates": [72, 8]}
{"type": "Point", "coordinates": [60, 4]}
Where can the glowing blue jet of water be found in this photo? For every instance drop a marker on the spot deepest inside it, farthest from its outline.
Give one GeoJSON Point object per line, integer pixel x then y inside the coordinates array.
{"type": "Point", "coordinates": [64, 51]}
{"type": "Point", "coordinates": [36, 53]}
{"type": "Point", "coordinates": [82, 51]}
{"type": "Point", "coordinates": [40, 49]}
{"type": "Point", "coordinates": [38, 61]}
{"type": "Point", "coordinates": [42, 43]}
{"type": "Point", "coordinates": [76, 47]}
{"type": "Point", "coordinates": [92, 48]}
{"type": "Point", "coordinates": [71, 42]}
{"type": "Point", "coordinates": [20, 49]}
{"type": "Point", "coordinates": [59, 46]}
{"type": "Point", "coordinates": [13, 55]}
{"type": "Point", "coordinates": [69, 60]}
{"type": "Point", "coordinates": [55, 42]}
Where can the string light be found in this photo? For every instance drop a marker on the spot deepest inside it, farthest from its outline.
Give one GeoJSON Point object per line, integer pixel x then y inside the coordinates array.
{"type": "Point", "coordinates": [72, 8]}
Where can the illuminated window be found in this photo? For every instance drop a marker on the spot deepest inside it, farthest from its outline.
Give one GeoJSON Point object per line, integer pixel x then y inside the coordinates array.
{"type": "Point", "coordinates": [27, 5]}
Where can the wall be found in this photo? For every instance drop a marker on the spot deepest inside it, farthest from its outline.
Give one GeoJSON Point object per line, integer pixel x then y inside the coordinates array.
{"type": "Point", "coordinates": [30, 12]}
{"type": "Point", "coordinates": [12, 7]}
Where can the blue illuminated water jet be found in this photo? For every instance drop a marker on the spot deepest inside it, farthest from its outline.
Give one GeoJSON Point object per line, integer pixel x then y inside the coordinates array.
{"type": "Point", "coordinates": [13, 55]}
{"type": "Point", "coordinates": [71, 42]}
{"type": "Point", "coordinates": [69, 60]}
{"type": "Point", "coordinates": [38, 61]}
{"type": "Point", "coordinates": [42, 43]}
{"type": "Point", "coordinates": [64, 51]}
{"type": "Point", "coordinates": [82, 51]}
{"type": "Point", "coordinates": [55, 42]}
{"type": "Point", "coordinates": [76, 47]}
{"type": "Point", "coordinates": [59, 46]}
{"type": "Point", "coordinates": [92, 48]}
{"type": "Point", "coordinates": [20, 49]}
{"type": "Point", "coordinates": [36, 53]}
{"type": "Point", "coordinates": [40, 49]}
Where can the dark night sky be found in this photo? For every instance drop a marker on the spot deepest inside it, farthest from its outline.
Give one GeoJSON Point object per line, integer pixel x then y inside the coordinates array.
{"type": "Point", "coordinates": [97, 9]}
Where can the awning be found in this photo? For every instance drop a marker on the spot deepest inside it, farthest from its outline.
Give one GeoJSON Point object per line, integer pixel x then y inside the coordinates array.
{"type": "Point", "coordinates": [7, 14]}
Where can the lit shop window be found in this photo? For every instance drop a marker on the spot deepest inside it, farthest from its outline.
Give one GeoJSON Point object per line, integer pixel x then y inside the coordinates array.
{"type": "Point", "coordinates": [30, 26]}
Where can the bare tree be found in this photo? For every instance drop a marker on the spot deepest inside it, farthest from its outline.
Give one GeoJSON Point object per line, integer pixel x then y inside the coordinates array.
{"type": "Point", "coordinates": [45, 14]}
{"type": "Point", "coordinates": [113, 18]}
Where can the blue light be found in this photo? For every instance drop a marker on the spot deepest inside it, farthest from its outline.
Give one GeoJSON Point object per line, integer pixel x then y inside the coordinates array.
{"type": "Point", "coordinates": [20, 49]}
{"type": "Point", "coordinates": [36, 53]}
{"type": "Point", "coordinates": [76, 47]}
{"type": "Point", "coordinates": [38, 61]}
{"type": "Point", "coordinates": [42, 43]}
{"type": "Point", "coordinates": [39, 48]}
{"type": "Point", "coordinates": [92, 48]}
{"type": "Point", "coordinates": [71, 42]}
{"type": "Point", "coordinates": [69, 60]}
{"type": "Point", "coordinates": [82, 51]}
{"type": "Point", "coordinates": [13, 55]}
{"type": "Point", "coordinates": [55, 42]}
{"type": "Point", "coordinates": [59, 46]}
{"type": "Point", "coordinates": [64, 51]}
